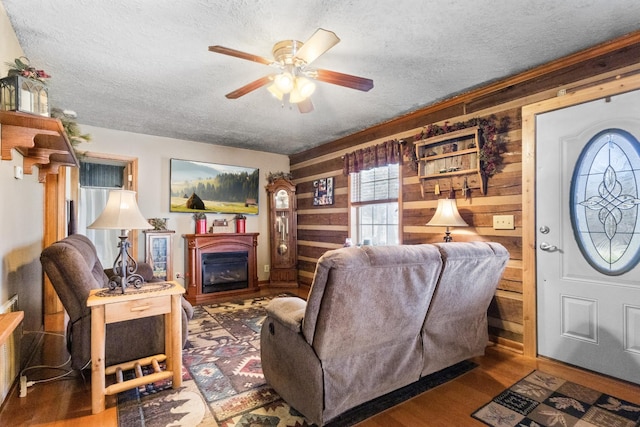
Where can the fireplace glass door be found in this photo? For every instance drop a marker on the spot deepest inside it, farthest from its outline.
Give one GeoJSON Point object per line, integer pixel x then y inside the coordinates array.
{"type": "Point", "coordinates": [224, 271]}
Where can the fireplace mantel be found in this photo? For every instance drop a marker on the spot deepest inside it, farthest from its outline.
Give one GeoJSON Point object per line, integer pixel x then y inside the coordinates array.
{"type": "Point", "coordinates": [199, 244]}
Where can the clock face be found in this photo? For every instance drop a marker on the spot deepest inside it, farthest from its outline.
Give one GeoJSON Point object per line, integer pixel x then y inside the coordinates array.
{"type": "Point", "coordinates": [282, 200]}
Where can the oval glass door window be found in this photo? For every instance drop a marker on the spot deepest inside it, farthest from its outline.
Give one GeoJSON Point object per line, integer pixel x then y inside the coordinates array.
{"type": "Point", "coordinates": [605, 202]}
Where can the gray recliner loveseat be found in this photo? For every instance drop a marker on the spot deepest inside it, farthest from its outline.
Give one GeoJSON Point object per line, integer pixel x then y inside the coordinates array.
{"type": "Point", "coordinates": [377, 319]}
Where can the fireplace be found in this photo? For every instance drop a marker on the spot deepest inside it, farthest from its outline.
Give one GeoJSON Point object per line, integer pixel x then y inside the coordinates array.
{"type": "Point", "coordinates": [219, 265]}
{"type": "Point", "coordinates": [224, 271]}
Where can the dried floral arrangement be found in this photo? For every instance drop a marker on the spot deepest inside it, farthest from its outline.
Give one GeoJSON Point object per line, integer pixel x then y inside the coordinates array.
{"type": "Point", "coordinates": [22, 67]}
{"type": "Point", "coordinates": [273, 176]}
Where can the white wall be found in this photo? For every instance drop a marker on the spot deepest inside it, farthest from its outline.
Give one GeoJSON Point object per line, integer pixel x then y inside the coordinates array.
{"type": "Point", "coordinates": [21, 215]}
{"type": "Point", "coordinates": [154, 154]}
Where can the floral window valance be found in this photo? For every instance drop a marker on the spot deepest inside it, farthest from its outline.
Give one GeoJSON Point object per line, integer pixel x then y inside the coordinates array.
{"type": "Point", "coordinates": [386, 153]}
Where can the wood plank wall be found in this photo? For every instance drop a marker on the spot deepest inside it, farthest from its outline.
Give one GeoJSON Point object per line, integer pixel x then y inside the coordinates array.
{"type": "Point", "coordinates": [324, 228]}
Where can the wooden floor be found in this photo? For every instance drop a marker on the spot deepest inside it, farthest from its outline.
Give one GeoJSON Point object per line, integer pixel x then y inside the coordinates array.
{"type": "Point", "coordinates": [68, 402]}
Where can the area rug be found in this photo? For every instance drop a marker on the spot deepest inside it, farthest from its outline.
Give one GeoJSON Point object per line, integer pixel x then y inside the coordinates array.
{"type": "Point", "coordinates": [223, 383]}
{"type": "Point", "coordinates": [541, 399]}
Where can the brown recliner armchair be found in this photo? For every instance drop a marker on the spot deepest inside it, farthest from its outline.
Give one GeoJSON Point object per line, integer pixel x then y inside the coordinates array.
{"type": "Point", "coordinates": [74, 269]}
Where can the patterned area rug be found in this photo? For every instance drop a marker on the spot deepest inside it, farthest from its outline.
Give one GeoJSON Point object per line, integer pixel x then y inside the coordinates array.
{"type": "Point", "coordinates": [223, 383]}
{"type": "Point", "coordinates": [541, 399]}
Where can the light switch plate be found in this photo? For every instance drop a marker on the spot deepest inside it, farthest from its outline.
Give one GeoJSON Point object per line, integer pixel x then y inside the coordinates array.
{"type": "Point", "coordinates": [503, 222]}
{"type": "Point", "coordinates": [18, 173]}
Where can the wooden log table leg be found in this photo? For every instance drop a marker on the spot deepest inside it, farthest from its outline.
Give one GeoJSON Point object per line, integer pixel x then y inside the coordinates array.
{"type": "Point", "coordinates": [174, 343]}
{"type": "Point", "coordinates": [98, 334]}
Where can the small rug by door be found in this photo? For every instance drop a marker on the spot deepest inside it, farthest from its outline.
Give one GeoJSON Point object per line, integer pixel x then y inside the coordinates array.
{"type": "Point", "coordinates": [223, 383]}
{"type": "Point", "coordinates": [541, 399]}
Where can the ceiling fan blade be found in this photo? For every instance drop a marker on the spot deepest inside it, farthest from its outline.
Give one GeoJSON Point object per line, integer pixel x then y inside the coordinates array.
{"type": "Point", "coordinates": [320, 42]}
{"type": "Point", "coordinates": [346, 80]}
{"type": "Point", "coordinates": [249, 87]}
{"type": "Point", "coordinates": [305, 106]}
{"type": "Point", "coordinates": [239, 54]}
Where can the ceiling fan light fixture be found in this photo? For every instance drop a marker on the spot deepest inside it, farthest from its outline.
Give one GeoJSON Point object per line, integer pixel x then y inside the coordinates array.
{"type": "Point", "coordinates": [295, 96]}
{"type": "Point", "coordinates": [284, 82]}
{"type": "Point", "coordinates": [296, 82]}
{"type": "Point", "coordinates": [305, 87]}
{"type": "Point", "coordinates": [273, 89]}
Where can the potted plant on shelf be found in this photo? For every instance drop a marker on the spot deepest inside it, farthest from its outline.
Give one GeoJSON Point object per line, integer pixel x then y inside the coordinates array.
{"type": "Point", "coordinates": [201, 222]}
{"type": "Point", "coordinates": [68, 120]}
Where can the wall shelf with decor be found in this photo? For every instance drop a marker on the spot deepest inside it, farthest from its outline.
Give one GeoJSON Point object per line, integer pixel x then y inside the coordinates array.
{"type": "Point", "coordinates": [450, 154]}
{"type": "Point", "coordinates": [41, 140]}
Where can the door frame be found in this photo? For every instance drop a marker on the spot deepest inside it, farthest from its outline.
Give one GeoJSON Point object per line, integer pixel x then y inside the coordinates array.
{"type": "Point", "coordinates": [55, 202]}
{"type": "Point", "coordinates": [130, 180]}
{"type": "Point", "coordinates": [529, 112]}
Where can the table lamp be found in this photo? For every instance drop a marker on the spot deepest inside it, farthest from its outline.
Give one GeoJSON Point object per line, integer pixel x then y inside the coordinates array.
{"type": "Point", "coordinates": [447, 215]}
{"type": "Point", "coordinates": [122, 213]}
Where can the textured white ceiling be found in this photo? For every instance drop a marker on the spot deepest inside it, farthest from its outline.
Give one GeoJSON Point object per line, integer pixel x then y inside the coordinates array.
{"type": "Point", "coordinates": [144, 66]}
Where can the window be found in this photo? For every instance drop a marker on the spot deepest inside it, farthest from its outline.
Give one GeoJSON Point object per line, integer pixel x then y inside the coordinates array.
{"type": "Point", "coordinates": [101, 175]}
{"type": "Point", "coordinates": [374, 206]}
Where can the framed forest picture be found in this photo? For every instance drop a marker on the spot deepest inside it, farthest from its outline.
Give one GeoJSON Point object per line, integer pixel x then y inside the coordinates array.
{"type": "Point", "coordinates": [213, 188]}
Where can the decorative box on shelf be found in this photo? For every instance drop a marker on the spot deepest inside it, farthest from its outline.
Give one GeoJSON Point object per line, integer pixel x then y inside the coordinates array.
{"type": "Point", "coordinates": [18, 93]}
{"type": "Point", "coordinates": [221, 226]}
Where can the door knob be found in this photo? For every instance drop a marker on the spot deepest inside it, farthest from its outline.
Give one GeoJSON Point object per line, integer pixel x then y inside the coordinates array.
{"type": "Point", "coordinates": [547, 247]}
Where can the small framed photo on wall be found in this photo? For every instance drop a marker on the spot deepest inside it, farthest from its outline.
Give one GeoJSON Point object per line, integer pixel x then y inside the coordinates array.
{"type": "Point", "coordinates": [323, 192]}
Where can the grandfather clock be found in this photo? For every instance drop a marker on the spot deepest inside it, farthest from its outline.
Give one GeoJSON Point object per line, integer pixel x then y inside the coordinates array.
{"type": "Point", "coordinates": [283, 235]}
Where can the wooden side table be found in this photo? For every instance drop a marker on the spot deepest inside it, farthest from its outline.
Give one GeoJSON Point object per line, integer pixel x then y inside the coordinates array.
{"type": "Point", "coordinates": [150, 300]}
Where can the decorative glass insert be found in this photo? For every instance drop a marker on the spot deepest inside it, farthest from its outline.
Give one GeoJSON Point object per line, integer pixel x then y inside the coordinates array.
{"type": "Point", "coordinates": [605, 202]}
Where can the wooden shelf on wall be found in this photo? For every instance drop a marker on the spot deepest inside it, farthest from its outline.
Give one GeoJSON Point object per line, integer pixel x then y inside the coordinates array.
{"type": "Point", "coordinates": [450, 154]}
{"type": "Point", "coordinates": [42, 142]}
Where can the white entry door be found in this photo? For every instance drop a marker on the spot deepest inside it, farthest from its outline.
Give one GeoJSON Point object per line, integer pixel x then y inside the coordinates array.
{"type": "Point", "coordinates": [588, 235]}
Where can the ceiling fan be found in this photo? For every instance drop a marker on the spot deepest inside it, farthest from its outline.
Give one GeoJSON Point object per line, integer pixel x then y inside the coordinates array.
{"type": "Point", "coordinates": [294, 81]}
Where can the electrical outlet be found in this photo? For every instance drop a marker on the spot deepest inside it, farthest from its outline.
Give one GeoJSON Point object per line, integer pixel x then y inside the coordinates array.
{"type": "Point", "coordinates": [266, 268]}
{"type": "Point", "coordinates": [503, 222]}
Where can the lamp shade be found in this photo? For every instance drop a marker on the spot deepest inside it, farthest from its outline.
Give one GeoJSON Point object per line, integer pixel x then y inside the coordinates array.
{"type": "Point", "coordinates": [304, 88]}
{"type": "Point", "coordinates": [284, 82]}
{"type": "Point", "coordinates": [447, 215]}
{"type": "Point", "coordinates": [121, 213]}
{"type": "Point", "coordinates": [273, 89]}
